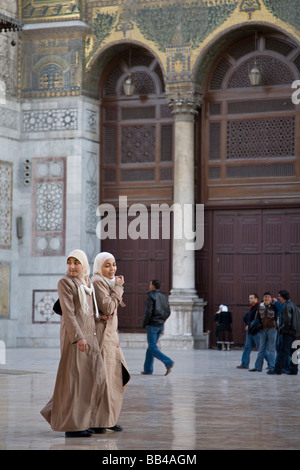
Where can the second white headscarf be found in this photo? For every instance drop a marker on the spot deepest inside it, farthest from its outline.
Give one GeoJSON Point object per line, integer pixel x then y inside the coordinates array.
{"type": "Point", "coordinates": [98, 263]}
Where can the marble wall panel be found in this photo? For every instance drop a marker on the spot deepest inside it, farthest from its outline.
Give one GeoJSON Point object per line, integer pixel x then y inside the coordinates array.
{"type": "Point", "coordinates": [48, 224]}
{"type": "Point", "coordinates": [5, 204]}
{"type": "Point", "coordinates": [4, 289]}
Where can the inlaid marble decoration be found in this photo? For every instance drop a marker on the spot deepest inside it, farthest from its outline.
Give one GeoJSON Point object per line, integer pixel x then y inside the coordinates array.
{"type": "Point", "coordinates": [5, 204]}
{"type": "Point", "coordinates": [4, 289]}
{"type": "Point", "coordinates": [48, 206]}
{"type": "Point", "coordinates": [42, 308]}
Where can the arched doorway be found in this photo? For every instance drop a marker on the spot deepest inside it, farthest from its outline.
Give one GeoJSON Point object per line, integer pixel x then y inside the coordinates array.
{"type": "Point", "coordinates": [250, 177]}
{"type": "Point", "coordinates": [136, 163]}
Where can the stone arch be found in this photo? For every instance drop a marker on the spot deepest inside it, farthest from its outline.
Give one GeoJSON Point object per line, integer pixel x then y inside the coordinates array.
{"type": "Point", "coordinates": [222, 42]}
{"type": "Point", "coordinates": [99, 62]}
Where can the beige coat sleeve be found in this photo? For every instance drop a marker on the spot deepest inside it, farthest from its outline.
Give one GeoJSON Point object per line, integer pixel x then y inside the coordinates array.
{"type": "Point", "coordinates": [67, 296]}
{"type": "Point", "coordinates": [107, 299]}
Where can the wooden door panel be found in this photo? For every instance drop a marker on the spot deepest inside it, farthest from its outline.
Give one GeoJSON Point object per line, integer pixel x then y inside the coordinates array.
{"type": "Point", "coordinates": [245, 252]}
{"type": "Point", "coordinates": [139, 261]}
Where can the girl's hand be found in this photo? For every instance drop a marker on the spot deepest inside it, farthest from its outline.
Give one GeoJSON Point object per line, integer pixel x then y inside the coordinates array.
{"type": "Point", "coordinates": [82, 345]}
{"type": "Point", "coordinates": [119, 280]}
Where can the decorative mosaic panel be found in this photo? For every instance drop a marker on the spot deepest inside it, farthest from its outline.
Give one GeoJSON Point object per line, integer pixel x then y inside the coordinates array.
{"type": "Point", "coordinates": [8, 118]}
{"type": "Point", "coordinates": [4, 289]}
{"type": "Point", "coordinates": [91, 122]}
{"type": "Point", "coordinates": [48, 206]}
{"type": "Point", "coordinates": [42, 306]}
{"type": "Point", "coordinates": [5, 204]}
{"type": "Point", "coordinates": [50, 120]}
{"type": "Point", "coordinates": [45, 9]}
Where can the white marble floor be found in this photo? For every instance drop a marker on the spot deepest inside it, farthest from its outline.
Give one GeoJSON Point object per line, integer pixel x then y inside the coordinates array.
{"type": "Point", "coordinates": [204, 403]}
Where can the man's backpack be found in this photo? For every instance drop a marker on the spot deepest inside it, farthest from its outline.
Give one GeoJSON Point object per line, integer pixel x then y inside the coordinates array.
{"type": "Point", "coordinates": [166, 311]}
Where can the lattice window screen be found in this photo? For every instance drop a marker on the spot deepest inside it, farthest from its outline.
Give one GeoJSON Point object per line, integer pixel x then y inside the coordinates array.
{"type": "Point", "coordinates": [260, 138]}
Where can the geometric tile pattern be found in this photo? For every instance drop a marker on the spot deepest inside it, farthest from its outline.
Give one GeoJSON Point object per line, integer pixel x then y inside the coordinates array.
{"type": "Point", "coordinates": [50, 120]}
{"type": "Point", "coordinates": [42, 306]}
{"type": "Point", "coordinates": [48, 206]}
{"type": "Point", "coordinates": [5, 204]}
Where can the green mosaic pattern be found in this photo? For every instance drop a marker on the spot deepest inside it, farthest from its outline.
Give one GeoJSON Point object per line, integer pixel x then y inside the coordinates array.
{"type": "Point", "coordinates": [285, 10]}
{"type": "Point", "coordinates": [184, 24]}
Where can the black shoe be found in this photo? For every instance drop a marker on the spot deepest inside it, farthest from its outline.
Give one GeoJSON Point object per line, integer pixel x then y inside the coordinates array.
{"type": "Point", "coordinates": [242, 367]}
{"type": "Point", "coordinates": [169, 368]}
{"type": "Point", "coordinates": [97, 430]}
{"type": "Point", "coordinates": [78, 434]}
{"type": "Point", "coordinates": [146, 373]}
{"type": "Point", "coordinates": [116, 428]}
{"type": "Point", "coordinates": [254, 370]}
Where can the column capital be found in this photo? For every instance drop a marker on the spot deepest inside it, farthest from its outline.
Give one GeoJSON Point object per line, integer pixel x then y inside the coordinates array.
{"type": "Point", "coordinates": [184, 100]}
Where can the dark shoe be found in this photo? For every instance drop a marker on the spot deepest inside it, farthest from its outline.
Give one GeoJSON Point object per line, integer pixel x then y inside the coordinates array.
{"type": "Point", "coordinates": [254, 370]}
{"type": "Point", "coordinates": [97, 430]}
{"type": "Point", "coordinates": [116, 428]}
{"type": "Point", "coordinates": [242, 367]}
{"type": "Point", "coordinates": [292, 373]}
{"type": "Point", "coordinates": [78, 434]}
{"type": "Point", "coordinates": [169, 368]}
{"type": "Point", "coordinates": [146, 373]}
{"type": "Point", "coordinates": [271, 372]}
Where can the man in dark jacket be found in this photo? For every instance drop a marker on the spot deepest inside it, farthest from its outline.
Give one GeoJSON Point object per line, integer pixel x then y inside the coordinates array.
{"type": "Point", "coordinates": [289, 328]}
{"type": "Point", "coordinates": [157, 310]}
{"type": "Point", "coordinates": [251, 340]}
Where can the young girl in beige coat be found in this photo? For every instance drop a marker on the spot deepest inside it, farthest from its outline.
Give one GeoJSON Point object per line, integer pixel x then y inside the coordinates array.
{"type": "Point", "coordinates": [81, 381]}
{"type": "Point", "coordinates": [109, 293]}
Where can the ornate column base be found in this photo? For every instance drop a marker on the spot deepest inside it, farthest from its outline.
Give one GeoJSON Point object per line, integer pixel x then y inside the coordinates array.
{"type": "Point", "coordinates": [184, 328]}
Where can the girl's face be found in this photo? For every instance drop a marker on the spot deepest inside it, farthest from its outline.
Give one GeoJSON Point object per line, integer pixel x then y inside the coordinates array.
{"type": "Point", "coordinates": [74, 267]}
{"type": "Point", "coordinates": [109, 268]}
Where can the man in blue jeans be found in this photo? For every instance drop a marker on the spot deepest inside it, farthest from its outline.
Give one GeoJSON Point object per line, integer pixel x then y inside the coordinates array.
{"type": "Point", "coordinates": [267, 313]}
{"type": "Point", "coordinates": [157, 310]}
{"type": "Point", "coordinates": [251, 340]}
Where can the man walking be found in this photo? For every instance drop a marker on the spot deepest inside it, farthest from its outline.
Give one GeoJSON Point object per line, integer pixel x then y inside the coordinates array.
{"type": "Point", "coordinates": [251, 340]}
{"type": "Point", "coordinates": [157, 310]}
{"type": "Point", "coordinates": [289, 329]}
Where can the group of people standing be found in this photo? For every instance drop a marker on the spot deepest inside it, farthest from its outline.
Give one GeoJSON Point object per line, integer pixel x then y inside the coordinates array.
{"type": "Point", "coordinates": [279, 327]}
{"type": "Point", "coordinates": [92, 372]}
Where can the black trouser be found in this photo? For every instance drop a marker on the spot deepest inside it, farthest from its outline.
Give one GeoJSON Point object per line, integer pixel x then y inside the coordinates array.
{"type": "Point", "coordinates": [286, 350]}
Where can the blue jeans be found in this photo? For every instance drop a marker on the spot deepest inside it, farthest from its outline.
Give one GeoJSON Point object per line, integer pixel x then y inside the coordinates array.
{"type": "Point", "coordinates": [267, 340]}
{"type": "Point", "coordinates": [251, 341]}
{"type": "Point", "coordinates": [153, 334]}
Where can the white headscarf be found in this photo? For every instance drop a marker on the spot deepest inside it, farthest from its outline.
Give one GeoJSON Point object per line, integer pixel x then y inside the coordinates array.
{"type": "Point", "coordinates": [83, 289]}
{"type": "Point", "coordinates": [99, 262]}
{"type": "Point", "coordinates": [223, 308]}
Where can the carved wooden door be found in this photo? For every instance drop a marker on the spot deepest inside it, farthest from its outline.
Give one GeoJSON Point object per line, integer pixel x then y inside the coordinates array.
{"type": "Point", "coordinates": [137, 163]}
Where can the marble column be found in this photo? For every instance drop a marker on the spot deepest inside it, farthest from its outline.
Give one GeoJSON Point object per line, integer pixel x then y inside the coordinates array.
{"type": "Point", "coordinates": [184, 328]}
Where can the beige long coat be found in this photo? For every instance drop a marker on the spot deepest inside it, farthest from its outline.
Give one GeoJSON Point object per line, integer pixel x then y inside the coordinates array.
{"type": "Point", "coordinates": [80, 381]}
{"type": "Point", "coordinates": [117, 374]}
